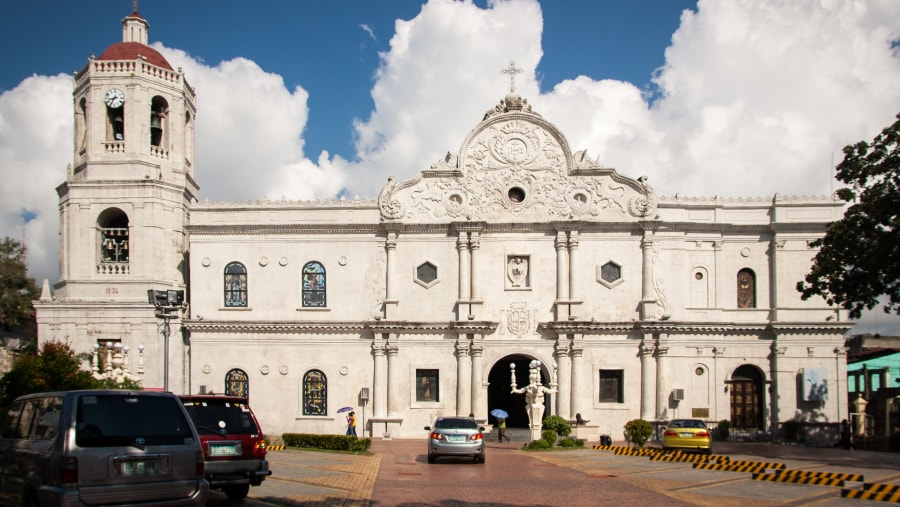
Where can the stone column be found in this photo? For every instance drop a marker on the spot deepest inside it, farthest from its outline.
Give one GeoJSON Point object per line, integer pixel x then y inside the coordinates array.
{"type": "Point", "coordinates": [390, 279]}
{"type": "Point", "coordinates": [662, 388]}
{"type": "Point", "coordinates": [573, 270]}
{"type": "Point", "coordinates": [562, 276]}
{"type": "Point", "coordinates": [564, 378]}
{"type": "Point", "coordinates": [463, 378]}
{"type": "Point", "coordinates": [379, 384]}
{"type": "Point", "coordinates": [462, 245]}
{"type": "Point", "coordinates": [474, 248]}
{"type": "Point", "coordinates": [648, 298]}
{"type": "Point", "coordinates": [648, 395]}
{"type": "Point", "coordinates": [580, 378]}
{"type": "Point", "coordinates": [393, 374]}
{"type": "Point", "coordinates": [479, 404]}
{"type": "Point", "coordinates": [777, 354]}
{"type": "Point", "coordinates": [776, 246]}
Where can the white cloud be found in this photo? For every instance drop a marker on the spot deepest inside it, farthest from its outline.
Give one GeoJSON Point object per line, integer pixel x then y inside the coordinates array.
{"type": "Point", "coordinates": [36, 144]}
{"type": "Point", "coordinates": [756, 97]}
{"type": "Point", "coordinates": [249, 142]}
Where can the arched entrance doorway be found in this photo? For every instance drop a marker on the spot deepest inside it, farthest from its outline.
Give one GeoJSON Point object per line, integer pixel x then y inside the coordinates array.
{"type": "Point", "coordinates": [746, 388]}
{"type": "Point", "coordinates": [500, 395]}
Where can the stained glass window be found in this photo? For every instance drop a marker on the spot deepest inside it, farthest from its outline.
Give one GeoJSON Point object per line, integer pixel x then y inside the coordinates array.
{"type": "Point", "coordinates": [237, 383]}
{"type": "Point", "coordinates": [313, 285]}
{"type": "Point", "coordinates": [235, 285]}
{"type": "Point", "coordinates": [315, 393]}
{"type": "Point", "coordinates": [746, 289]}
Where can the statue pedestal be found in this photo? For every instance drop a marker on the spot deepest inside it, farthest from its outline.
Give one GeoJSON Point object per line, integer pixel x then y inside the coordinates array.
{"type": "Point", "coordinates": [535, 432]}
{"type": "Point", "coordinates": [586, 432]}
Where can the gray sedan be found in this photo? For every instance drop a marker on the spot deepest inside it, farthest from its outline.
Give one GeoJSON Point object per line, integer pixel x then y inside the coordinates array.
{"type": "Point", "coordinates": [455, 436]}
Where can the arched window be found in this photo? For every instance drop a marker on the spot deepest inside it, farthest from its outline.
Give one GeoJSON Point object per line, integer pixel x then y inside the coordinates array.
{"type": "Point", "coordinates": [746, 288]}
{"type": "Point", "coordinates": [235, 285]}
{"type": "Point", "coordinates": [313, 285]}
{"type": "Point", "coordinates": [237, 383]}
{"type": "Point", "coordinates": [113, 225]}
{"type": "Point", "coordinates": [159, 111]}
{"type": "Point", "coordinates": [315, 393]}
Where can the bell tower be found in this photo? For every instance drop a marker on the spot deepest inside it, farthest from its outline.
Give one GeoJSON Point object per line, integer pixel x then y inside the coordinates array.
{"type": "Point", "coordinates": [125, 203]}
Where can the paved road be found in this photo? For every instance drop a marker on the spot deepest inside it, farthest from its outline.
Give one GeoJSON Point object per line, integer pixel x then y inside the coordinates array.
{"type": "Point", "coordinates": [397, 474]}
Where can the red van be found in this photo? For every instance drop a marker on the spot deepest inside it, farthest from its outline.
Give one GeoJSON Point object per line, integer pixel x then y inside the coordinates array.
{"type": "Point", "coordinates": [234, 450]}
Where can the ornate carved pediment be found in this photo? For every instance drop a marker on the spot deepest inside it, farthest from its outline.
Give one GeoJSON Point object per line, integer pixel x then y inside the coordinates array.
{"type": "Point", "coordinates": [516, 166]}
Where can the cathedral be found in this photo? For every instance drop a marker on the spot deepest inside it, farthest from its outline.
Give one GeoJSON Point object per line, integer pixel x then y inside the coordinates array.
{"type": "Point", "coordinates": [435, 297]}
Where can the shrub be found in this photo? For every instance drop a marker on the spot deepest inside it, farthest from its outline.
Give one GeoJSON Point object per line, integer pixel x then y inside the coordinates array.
{"type": "Point", "coordinates": [724, 428]}
{"type": "Point", "coordinates": [557, 424]}
{"type": "Point", "coordinates": [567, 442]}
{"type": "Point", "coordinates": [538, 444]}
{"type": "Point", "coordinates": [638, 431]}
{"type": "Point", "coordinates": [328, 442]}
{"type": "Point", "coordinates": [549, 436]}
{"type": "Point", "coordinates": [791, 429]}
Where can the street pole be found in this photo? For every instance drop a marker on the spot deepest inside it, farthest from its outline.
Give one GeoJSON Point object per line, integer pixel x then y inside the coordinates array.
{"type": "Point", "coordinates": [165, 317]}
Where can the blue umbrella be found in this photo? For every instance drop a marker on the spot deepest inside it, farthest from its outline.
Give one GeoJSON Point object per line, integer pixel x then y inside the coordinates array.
{"type": "Point", "coordinates": [345, 409]}
{"type": "Point", "coordinates": [499, 413]}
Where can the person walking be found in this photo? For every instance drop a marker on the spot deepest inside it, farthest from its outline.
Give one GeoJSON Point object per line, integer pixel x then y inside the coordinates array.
{"type": "Point", "coordinates": [501, 427]}
{"type": "Point", "coordinates": [351, 424]}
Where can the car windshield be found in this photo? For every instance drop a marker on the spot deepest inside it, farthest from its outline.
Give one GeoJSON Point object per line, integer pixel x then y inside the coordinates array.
{"type": "Point", "coordinates": [108, 420]}
{"type": "Point", "coordinates": [221, 417]}
{"type": "Point", "coordinates": [460, 423]}
{"type": "Point", "coordinates": [687, 424]}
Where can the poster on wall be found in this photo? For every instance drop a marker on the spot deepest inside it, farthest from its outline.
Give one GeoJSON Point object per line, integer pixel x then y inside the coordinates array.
{"type": "Point", "coordinates": [815, 384]}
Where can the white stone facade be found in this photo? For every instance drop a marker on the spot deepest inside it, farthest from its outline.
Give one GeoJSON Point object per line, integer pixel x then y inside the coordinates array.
{"type": "Point", "coordinates": [514, 248]}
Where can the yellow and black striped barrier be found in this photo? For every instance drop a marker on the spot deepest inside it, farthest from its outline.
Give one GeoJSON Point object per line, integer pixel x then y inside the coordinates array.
{"type": "Point", "coordinates": [695, 458]}
{"type": "Point", "coordinates": [799, 479]}
{"type": "Point", "coordinates": [274, 447]}
{"type": "Point", "coordinates": [737, 466]}
{"type": "Point", "coordinates": [874, 491]}
{"type": "Point", "coordinates": [606, 447]}
{"type": "Point", "coordinates": [625, 451]}
{"type": "Point", "coordinates": [814, 473]}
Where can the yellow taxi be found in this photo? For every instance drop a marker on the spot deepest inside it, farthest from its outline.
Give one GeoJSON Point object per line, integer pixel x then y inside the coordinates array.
{"type": "Point", "coordinates": [687, 435]}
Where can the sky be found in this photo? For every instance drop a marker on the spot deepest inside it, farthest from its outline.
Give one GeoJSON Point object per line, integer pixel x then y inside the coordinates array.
{"type": "Point", "coordinates": [319, 99]}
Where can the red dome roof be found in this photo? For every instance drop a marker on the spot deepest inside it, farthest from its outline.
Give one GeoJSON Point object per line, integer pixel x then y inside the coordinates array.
{"type": "Point", "coordinates": [131, 50]}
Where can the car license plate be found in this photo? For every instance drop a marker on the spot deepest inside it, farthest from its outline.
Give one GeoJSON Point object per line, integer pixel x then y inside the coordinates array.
{"type": "Point", "coordinates": [139, 467]}
{"type": "Point", "coordinates": [686, 435]}
{"type": "Point", "coordinates": [456, 438]}
{"type": "Point", "coordinates": [225, 449]}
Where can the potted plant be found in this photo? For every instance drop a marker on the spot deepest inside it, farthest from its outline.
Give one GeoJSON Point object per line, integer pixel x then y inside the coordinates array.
{"type": "Point", "coordinates": [724, 428]}
{"type": "Point", "coordinates": [638, 431]}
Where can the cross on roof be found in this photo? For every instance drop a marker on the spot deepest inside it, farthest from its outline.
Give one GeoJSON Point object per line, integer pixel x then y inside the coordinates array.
{"type": "Point", "coordinates": [512, 70]}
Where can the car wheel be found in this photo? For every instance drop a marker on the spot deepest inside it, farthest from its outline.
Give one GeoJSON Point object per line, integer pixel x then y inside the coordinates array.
{"type": "Point", "coordinates": [479, 459]}
{"type": "Point", "coordinates": [709, 451]}
{"type": "Point", "coordinates": [432, 458]}
{"type": "Point", "coordinates": [237, 492]}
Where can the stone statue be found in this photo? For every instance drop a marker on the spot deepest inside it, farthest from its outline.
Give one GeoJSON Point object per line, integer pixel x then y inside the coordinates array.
{"type": "Point", "coordinates": [534, 396]}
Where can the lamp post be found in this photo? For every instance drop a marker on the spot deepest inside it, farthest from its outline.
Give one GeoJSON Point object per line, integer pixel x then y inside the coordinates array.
{"type": "Point", "coordinates": [165, 302]}
{"type": "Point", "coordinates": [364, 398]}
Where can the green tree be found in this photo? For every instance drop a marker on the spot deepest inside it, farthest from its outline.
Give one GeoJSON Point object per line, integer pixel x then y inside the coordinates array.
{"type": "Point", "coordinates": [55, 367]}
{"type": "Point", "coordinates": [17, 290]}
{"type": "Point", "coordinates": [859, 256]}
